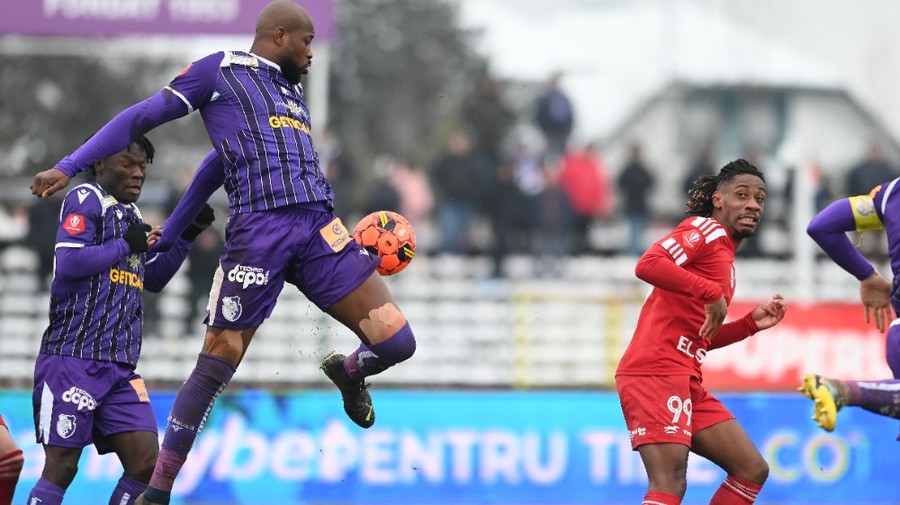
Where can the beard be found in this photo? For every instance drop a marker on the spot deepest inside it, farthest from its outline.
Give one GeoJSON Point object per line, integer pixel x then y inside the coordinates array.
{"type": "Point", "coordinates": [292, 73]}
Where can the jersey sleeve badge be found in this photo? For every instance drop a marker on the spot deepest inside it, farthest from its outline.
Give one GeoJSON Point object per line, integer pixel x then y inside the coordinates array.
{"type": "Point", "coordinates": [74, 224]}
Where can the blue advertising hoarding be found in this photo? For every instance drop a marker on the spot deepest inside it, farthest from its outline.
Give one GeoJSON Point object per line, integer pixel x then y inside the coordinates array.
{"type": "Point", "coordinates": [472, 448]}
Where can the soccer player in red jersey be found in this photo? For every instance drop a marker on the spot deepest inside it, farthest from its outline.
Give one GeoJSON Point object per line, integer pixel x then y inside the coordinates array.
{"type": "Point", "coordinates": [11, 462]}
{"type": "Point", "coordinates": [667, 410]}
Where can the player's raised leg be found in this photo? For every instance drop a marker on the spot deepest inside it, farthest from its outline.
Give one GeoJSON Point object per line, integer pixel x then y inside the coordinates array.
{"type": "Point", "coordinates": [386, 339]}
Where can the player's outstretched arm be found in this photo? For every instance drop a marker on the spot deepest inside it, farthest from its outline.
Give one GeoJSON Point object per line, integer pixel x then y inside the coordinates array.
{"type": "Point", "coordinates": [112, 138]}
{"type": "Point", "coordinates": [829, 229]}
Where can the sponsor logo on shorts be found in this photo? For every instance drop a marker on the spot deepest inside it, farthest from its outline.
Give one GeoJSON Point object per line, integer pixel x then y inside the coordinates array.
{"type": "Point", "coordinates": [231, 308]}
{"type": "Point", "coordinates": [65, 425]}
{"type": "Point", "coordinates": [336, 235]}
{"type": "Point", "coordinates": [248, 276]}
{"type": "Point", "coordinates": [141, 389]}
{"type": "Point", "coordinates": [637, 432]}
{"type": "Point", "coordinates": [79, 397]}
{"type": "Point", "coordinates": [670, 430]}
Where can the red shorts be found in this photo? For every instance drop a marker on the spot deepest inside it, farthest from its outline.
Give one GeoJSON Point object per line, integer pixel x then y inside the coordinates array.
{"type": "Point", "coordinates": [667, 409]}
{"type": "Point", "coordinates": [2, 422]}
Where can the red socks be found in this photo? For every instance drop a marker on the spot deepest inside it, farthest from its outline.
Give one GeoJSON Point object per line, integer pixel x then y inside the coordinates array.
{"type": "Point", "coordinates": [660, 498]}
{"type": "Point", "coordinates": [735, 491]}
{"type": "Point", "coordinates": [10, 468]}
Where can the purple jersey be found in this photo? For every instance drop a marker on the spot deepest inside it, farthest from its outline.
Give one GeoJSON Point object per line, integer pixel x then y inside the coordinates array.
{"type": "Point", "coordinates": [886, 198]}
{"type": "Point", "coordinates": [95, 297]}
{"type": "Point", "coordinates": [259, 124]}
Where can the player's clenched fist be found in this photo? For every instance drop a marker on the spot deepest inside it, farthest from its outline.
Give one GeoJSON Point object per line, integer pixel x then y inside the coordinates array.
{"type": "Point", "coordinates": [48, 182]}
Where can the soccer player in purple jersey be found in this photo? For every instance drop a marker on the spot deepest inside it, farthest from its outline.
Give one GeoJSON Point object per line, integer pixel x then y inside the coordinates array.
{"type": "Point", "coordinates": [879, 210]}
{"type": "Point", "coordinates": [281, 225]}
{"type": "Point", "coordinates": [86, 390]}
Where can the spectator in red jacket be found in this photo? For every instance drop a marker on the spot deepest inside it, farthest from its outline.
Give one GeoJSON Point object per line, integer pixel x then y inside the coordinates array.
{"type": "Point", "coordinates": [584, 178]}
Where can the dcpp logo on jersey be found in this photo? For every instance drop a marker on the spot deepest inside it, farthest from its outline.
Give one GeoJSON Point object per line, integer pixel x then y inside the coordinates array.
{"type": "Point", "coordinates": [248, 276]}
{"type": "Point", "coordinates": [79, 397]}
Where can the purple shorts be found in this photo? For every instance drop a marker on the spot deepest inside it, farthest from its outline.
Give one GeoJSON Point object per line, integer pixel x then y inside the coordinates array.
{"type": "Point", "coordinates": [306, 247]}
{"type": "Point", "coordinates": [79, 402]}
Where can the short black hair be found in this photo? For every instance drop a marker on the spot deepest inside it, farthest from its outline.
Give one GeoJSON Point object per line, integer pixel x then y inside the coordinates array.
{"type": "Point", "coordinates": [700, 195]}
{"type": "Point", "coordinates": [142, 142]}
{"type": "Point", "coordinates": [145, 145]}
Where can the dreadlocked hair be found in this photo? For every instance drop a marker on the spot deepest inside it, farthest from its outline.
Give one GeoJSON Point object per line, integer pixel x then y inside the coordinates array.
{"type": "Point", "coordinates": [145, 145]}
{"type": "Point", "coordinates": [700, 195]}
{"type": "Point", "coordinates": [142, 142]}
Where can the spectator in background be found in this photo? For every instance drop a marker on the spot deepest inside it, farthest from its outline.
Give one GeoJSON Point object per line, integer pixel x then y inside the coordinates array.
{"type": "Point", "coordinates": [416, 198]}
{"type": "Point", "coordinates": [203, 261]}
{"type": "Point", "coordinates": [381, 193]}
{"type": "Point", "coordinates": [555, 117]}
{"type": "Point", "coordinates": [636, 183]}
{"type": "Point", "coordinates": [509, 217]}
{"type": "Point", "coordinates": [340, 170]}
{"type": "Point", "coordinates": [584, 179]}
{"type": "Point", "coordinates": [41, 237]}
{"type": "Point", "coordinates": [553, 227]}
{"type": "Point", "coordinates": [870, 172]}
{"type": "Point", "coordinates": [489, 118]}
{"type": "Point", "coordinates": [461, 180]}
{"type": "Point", "coordinates": [702, 166]}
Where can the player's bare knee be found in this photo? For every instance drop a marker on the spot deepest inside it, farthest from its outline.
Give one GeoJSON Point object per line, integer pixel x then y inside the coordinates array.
{"type": "Point", "coordinates": [383, 322]}
{"type": "Point", "coordinates": [759, 472]}
{"type": "Point", "coordinates": [387, 322]}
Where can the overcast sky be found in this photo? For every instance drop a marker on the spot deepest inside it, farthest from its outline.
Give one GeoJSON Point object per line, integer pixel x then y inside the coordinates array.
{"type": "Point", "coordinates": [616, 52]}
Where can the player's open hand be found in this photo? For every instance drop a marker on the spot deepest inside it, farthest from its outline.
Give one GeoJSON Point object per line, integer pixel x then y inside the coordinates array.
{"type": "Point", "coordinates": [715, 315]}
{"type": "Point", "coordinates": [767, 315]}
{"type": "Point", "coordinates": [875, 293]}
{"type": "Point", "coordinates": [48, 182]}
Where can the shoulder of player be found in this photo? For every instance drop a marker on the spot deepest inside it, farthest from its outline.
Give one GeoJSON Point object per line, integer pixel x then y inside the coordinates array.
{"type": "Point", "coordinates": [85, 196]}
{"type": "Point", "coordinates": [88, 198]}
{"type": "Point", "coordinates": [238, 59]}
{"type": "Point", "coordinates": [706, 229]}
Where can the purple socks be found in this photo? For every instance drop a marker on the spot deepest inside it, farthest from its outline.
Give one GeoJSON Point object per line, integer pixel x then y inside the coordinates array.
{"type": "Point", "coordinates": [881, 397]}
{"type": "Point", "coordinates": [373, 359]}
{"type": "Point", "coordinates": [46, 493]}
{"type": "Point", "coordinates": [192, 404]}
{"type": "Point", "coordinates": [126, 491]}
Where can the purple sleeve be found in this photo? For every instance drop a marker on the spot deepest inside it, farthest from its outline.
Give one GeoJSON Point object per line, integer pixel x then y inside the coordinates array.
{"type": "Point", "coordinates": [829, 229]}
{"type": "Point", "coordinates": [161, 267]}
{"type": "Point", "coordinates": [196, 84]}
{"type": "Point", "coordinates": [209, 177]}
{"type": "Point", "coordinates": [72, 263]}
{"type": "Point", "coordinates": [121, 131]}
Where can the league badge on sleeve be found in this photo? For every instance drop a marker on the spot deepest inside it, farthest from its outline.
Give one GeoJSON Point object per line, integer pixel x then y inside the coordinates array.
{"type": "Point", "coordinates": [74, 224]}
